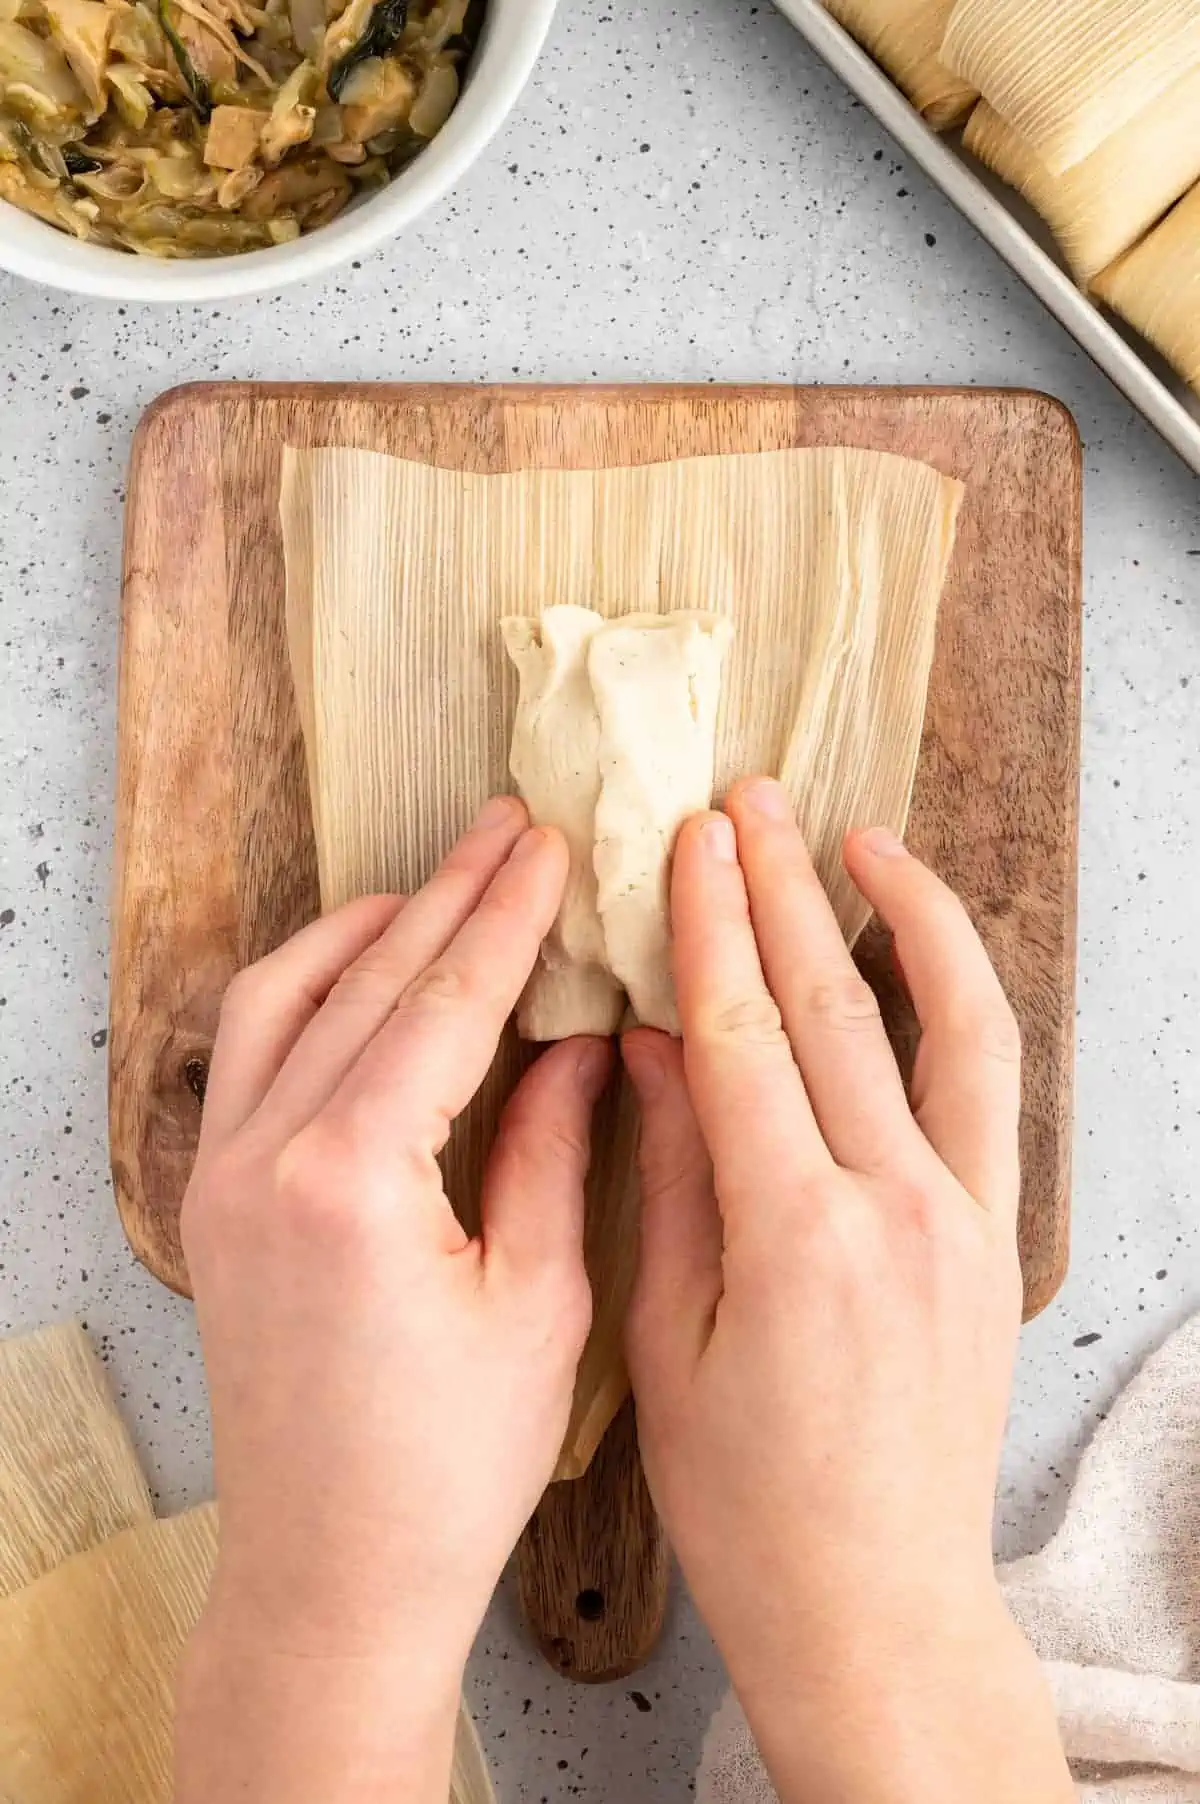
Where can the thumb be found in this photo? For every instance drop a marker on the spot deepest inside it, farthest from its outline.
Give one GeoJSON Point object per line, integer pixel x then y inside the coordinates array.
{"type": "Point", "coordinates": [679, 1280]}
{"type": "Point", "coordinates": [533, 1187]}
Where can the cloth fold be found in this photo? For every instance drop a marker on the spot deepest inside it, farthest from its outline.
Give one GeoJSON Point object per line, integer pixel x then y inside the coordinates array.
{"type": "Point", "coordinates": [1111, 1605]}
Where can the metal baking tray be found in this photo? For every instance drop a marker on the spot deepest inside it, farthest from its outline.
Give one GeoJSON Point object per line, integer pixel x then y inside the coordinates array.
{"type": "Point", "coordinates": [1012, 228]}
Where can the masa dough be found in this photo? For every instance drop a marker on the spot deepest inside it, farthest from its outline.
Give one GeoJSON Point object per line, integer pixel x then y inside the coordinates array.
{"type": "Point", "coordinates": [613, 744]}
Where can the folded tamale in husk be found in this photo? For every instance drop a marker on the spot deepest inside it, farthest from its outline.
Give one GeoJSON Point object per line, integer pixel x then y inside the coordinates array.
{"type": "Point", "coordinates": [904, 37]}
{"type": "Point", "coordinates": [1101, 206]}
{"type": "Point", "coordinates": [1156, 287]}
{"type": "Point", "coordinates": [1067, 74]}
{"type": "Point", "coordinates": [830, 564]}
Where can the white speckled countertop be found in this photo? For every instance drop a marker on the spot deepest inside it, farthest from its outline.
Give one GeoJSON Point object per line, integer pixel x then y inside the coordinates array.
{"type": "Point", "coordinates": [684, 194]}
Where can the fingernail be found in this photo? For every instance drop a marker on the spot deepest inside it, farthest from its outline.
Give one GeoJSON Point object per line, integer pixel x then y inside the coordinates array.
{"type": "Point", "coordinates": [884, 843]}
{"type": "Point", "coordinates": [495, 813]}
{"type": "Point", "coordinates": [719, 839]}
{"type": "Point", "coordinates": [529, 844]}
{"type": "Point", "coordinates": [769, 798]}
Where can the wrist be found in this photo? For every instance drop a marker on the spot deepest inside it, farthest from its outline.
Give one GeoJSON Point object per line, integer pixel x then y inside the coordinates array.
{"type": "Point", "coordinates": [935, 1705]}
{"type": "Point", "coordinates": [265, 1721]}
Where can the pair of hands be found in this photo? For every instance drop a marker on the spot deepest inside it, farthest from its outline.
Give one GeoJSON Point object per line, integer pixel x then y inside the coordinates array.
{"type": "Point", "coordinates": [821, 1339]}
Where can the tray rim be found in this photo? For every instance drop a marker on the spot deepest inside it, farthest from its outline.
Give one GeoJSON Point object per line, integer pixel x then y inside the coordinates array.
{"type": "Point", "coordinates": [999, 224]}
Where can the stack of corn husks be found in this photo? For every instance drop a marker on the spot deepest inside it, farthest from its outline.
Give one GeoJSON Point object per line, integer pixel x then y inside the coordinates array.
{"type": "Point", "coordinates": [97, 1597]}
{"type": "Point", "coordinates": [1092, 109]}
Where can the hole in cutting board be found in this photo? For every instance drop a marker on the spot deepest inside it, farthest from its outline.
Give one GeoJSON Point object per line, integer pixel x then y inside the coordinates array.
{"type": "Point", "coordinates": [195, 1076]}
{"type": "Point", "coordinates": [590, 1605]}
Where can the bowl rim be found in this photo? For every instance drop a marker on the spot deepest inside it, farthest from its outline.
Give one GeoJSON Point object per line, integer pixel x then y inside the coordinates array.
{"type": "Point", "coordinates": [514, 33]}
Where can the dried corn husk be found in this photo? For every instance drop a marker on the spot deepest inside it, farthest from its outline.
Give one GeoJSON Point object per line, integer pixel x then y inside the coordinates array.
{"type": "Point", "coordinates": [1156, 287]}
{"type": "Point", "coordinates": [100, 1596]}
{"type": "Point", "coordinates": [905, 36]}
{"type": "Point", "coordinates": [88, 1657]}
{"type": "Point", "coordinates": [69, 1476]}
{"type": "Point", "coordinates": [1067, 74]}
{"type": "Point", "coordinates": [470, 1781]}
{"type": "Point", "coordinates": [1101, 206]}
{"type": "Point", "coordinates": [830, 563]}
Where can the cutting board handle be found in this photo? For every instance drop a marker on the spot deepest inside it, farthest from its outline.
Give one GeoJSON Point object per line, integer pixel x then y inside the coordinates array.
{"type": "Point", "coordinates": [593, 1566]}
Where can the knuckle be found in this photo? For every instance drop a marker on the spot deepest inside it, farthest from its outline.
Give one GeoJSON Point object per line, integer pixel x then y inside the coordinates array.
{"type": "Point", "coordinates": [666, 1168]}
{"type": "Point", "coordinates": [752, 1020]}
{"type": "Point", "coordinates": [219, 1203]}
{"type": "Point", "coordinates": [921, 1208]}
{"type": "Point", "coordinates": [553, 1312]}
{"type": "Point", "coordinates": [507, 898]}
{"type": "Point", "coordinates": [536, 1147]}
{"type": "Point", "coordinates": [316, 1186]}
{"type": "Point", "coordinates": [365, 981]}
{"type": "Point", "coordinates": [564, 1145]}
{"type": "Point", "coordinates": [443, 985]}
{"type": "Point", "coordinates": [844, 1001]}
{"type": "Point", "coordinates": [243, 993]}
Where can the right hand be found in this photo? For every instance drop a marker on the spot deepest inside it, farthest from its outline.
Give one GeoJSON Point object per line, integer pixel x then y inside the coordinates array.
{"type": "Point", "coordinates": [824, 1327]}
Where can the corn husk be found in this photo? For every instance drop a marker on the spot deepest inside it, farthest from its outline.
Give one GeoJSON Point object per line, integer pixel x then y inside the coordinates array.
{"type": "Point", "coordinates": [830, 564]}
{"type": "Point", "coordinates": [88, 1662]}
{"type": "Point", "coordinates": [1156, 287]}
{"type": "Point", "coordinates": [1067, 74]}
{"type": "Point", "coordinates": [88, 1657]}
{"type": "Point", "coordinates": [905, 37]}
{"type": "Point", "coordinates": [470, 1780]}
{"type": "Point", "coordinates": [1100, 207]}
{"type": "Point", "coordinates": [96, 1598]}
{"type": "Point", "coordinates": [69, 1476]}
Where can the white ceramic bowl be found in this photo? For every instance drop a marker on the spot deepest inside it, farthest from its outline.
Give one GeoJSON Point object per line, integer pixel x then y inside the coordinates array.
{"type": "Point", "coordinates": [513, 34]}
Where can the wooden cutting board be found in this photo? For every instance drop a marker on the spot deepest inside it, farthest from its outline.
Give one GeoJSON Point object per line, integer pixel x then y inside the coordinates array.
{"type": "Point", "coordinates": [215, 862]}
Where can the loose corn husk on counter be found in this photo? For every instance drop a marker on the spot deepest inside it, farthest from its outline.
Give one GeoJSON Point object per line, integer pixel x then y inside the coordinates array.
{"type": "Point", "coordinates": [830, 564]}
{"type": "Point", "coordinates": [1101, 206]}
{"type": "Point", "coordinates": [88, 1657]}
{"type": "Point", "coordinates": [905, 37]}
{"type": "Point", "coordinates": [1156, 287]}
{"type": "Point", "coordinates": [96, 1597]}
{"type": "Point", "coordinates": [1067, 74]}
{"type": "Point", "coordinates": [69, 1476]}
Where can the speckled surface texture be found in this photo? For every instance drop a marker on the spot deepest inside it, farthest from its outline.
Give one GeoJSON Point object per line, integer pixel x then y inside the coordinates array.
{"type": "Point", "coordinates": [684, 194]}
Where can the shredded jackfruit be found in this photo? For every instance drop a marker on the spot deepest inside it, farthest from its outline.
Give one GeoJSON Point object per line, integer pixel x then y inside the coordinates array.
{"type": "Point", "coordinates": [201, 128]}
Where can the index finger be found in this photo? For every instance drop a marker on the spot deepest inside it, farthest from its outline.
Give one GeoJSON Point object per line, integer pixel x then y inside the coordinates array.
{"type": "Point", "coordinates": [966, 1089]}
{"type": "Point", "coordinates": [268, 1005]}
{"type": "Point", "coordinates": [425, 1064]}
{"type": "Point", "coordinates": [748, 1095]}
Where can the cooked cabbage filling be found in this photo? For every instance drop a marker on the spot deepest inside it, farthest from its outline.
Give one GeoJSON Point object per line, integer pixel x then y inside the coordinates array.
{"type": "Point", "coordinates": [196, 128]}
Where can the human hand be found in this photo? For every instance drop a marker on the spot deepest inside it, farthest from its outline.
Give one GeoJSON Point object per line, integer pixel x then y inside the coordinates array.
{"type": "Point", "coordinates": [823, 1332]}
{"type": "Point", "coordinates": [388, 1396]}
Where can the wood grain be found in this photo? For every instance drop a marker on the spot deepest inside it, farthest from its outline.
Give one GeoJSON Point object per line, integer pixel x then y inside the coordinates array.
{"type": "Point", "coordinates": [215, 860]}
{"type": "Point", "coordinates": [595, 1612]}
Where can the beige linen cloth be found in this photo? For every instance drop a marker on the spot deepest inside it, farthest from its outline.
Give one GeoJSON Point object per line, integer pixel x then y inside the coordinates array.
{"type": "Point", "coordinates": [1112, 1606]}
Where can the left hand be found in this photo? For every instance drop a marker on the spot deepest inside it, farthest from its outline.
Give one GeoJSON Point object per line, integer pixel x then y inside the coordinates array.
{"type": "Point", "coordinates": [389, 1396]}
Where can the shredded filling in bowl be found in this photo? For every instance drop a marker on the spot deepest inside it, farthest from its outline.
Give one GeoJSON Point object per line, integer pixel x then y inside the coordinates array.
{"type": "Point", "coordinates": [196, 128]}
